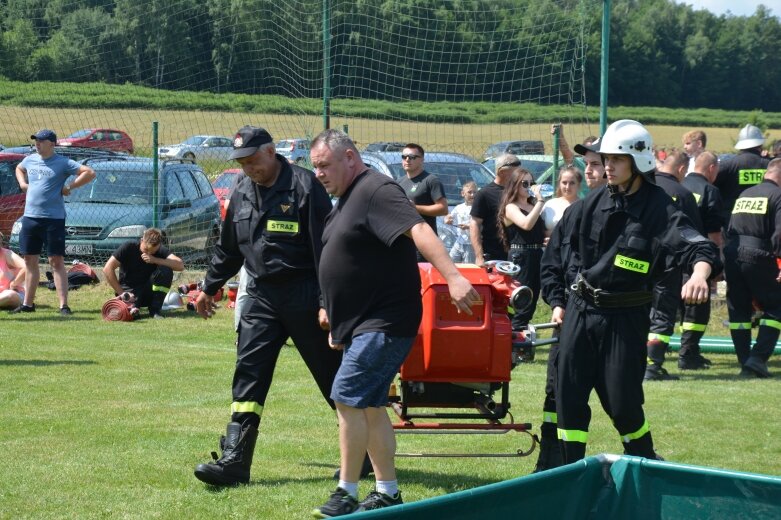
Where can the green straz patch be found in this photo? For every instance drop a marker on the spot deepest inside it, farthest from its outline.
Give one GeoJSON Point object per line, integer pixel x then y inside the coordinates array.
{"type": "Point", "coordinates": [750, 176]}
{"type": "Point", "coordinates": [755, 205]}
{"type": "Point", "coordinates": [282, 226]}
{"type": "Point", "coordinates": [624, 262]}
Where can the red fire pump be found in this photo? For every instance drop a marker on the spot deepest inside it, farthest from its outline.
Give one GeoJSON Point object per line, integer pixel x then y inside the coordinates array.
{"type": "Point", "coordinates": [461, 361]}
{"type": "Point", "coordinates": [190, 292]}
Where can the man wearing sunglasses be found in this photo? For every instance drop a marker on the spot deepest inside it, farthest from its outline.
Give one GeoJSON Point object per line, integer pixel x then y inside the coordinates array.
{"type": "Point", "coordinates": [422, 188]}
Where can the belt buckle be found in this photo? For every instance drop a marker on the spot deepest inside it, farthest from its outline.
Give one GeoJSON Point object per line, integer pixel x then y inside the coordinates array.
{"type": "Point", "coordinates": [596, 293]}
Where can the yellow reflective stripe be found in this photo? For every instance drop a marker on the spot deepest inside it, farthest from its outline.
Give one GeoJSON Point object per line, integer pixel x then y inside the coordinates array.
{"type": "Point", "coordinates": [770, 323]}
{"type": "Point", "coordinates": [753, 176]}
{"type": "Point", "coordinates": [740, 326]}
{"type": "Point", "coordinates": [246, 407]}
{"type": "Point", "coordinates": [645, 428]}
{"type": "Point", "coordinates": [754, 205]}
{"type": "Point", "coordinates": [688, 325]}
{"type": "Point", "coordinates": [573, 435]}
{"type": "Point", "coordinates": [660, 337]}
{"type": "Point", "coordinates": [550, 417]}
{"type": "Point", "coordinates": [160, 288]}
{"type": "Point", "coordinates": [631, 264]}
{"type": "Point", "coordinates": [282, 226]}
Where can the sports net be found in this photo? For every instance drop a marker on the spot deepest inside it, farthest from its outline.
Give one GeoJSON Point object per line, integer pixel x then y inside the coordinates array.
{"type": "Point", "coordinates": [453, 76]}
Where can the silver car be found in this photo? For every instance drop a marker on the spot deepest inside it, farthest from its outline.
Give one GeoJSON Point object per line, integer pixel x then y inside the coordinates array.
{"type": "Point", "coordinates": [199, 147]}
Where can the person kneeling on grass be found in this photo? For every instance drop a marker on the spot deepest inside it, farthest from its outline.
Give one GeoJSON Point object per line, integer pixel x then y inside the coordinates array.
{"type": "Point", "coordinates": [12, 273]}
{"type": "Point", "coordinates": [145, 269]}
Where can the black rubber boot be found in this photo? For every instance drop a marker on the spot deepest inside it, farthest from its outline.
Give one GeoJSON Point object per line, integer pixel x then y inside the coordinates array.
{"type": "Point", "coordinates": [550, 454]}
{"type": "Point", "coordinates": [642, 447]}
{"type": "Point", "coordinates": [654, 371]}
{"type": "Point", "coordinates": [233, 467]}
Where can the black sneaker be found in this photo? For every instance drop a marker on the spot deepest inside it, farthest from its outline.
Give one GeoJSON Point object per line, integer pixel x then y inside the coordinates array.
{"type": "Point", "coordinates": [657, 373]}
{"type": "Point", "coordinates": [692, 364]}
{"type": "Point", "coordinates": [339, 504]}
{"type": "Point", "coordinates": [65, 311]}
{"type": "Point", "coordinates": [377, 500]}
{"type": "Point", "coordinates": [23, 308]}
{"type": "Point", "coordinates": [702, 359]}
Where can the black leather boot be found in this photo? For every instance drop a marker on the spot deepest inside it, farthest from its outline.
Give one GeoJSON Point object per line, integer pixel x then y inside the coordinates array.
{"type": "Point", "coordinates": [233, 467]}
{"type": "Point", "coordinates": [550, 454]}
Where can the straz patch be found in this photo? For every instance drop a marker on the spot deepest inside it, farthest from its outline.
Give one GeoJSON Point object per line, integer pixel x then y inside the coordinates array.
{"type": "Point", "coordinates": [282, 226]}
{"type": "Point", "coordinates": [755, 205]}
{"type": "Point", "coordinates": [630, 264]}
{"type": "Point", "coordinates": [750, 177]}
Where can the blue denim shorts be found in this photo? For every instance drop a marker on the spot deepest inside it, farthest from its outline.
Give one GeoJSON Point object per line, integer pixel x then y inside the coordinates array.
{"type": "Point", "coordinates": [37, 231]}
{"type": "Point", "coordinates": [368, 367]}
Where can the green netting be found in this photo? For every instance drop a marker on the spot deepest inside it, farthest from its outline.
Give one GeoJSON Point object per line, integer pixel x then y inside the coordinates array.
{"type": "Point", "coordinates": [609, 487]}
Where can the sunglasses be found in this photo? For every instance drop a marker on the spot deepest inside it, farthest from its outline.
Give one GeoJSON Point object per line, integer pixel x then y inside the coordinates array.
{"type": "Point", "coordinates": [526, 184]}
{"type": "Point", "coordinates": [409, 157]}
{"type": "Point", "coordinates": [511, 165]}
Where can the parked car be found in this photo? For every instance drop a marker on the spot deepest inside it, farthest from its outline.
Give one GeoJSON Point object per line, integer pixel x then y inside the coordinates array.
{"type": "Point", "coordinates": [452, 169]}
{"type": "Point", "coordinates": [538, 165]}
{"type": "Point", "coordinates": [198, 147]}
{"type": "Point", "coordinates": [118, 206]}
{"type": "Point", "coordinates": [11, 196]}
{"type": "Point", "coordinates": [515, 147]}
{"type": "Point", "coordinates": [384, 146]}
{"type": "Point", "coordinates": [77, 153]}
{"type": "Point", "coordinates": [222, 185]}
{"type": "Point", "coordinates": [102, 138]}
{"type": "Point", "coordinates": [294, 150]}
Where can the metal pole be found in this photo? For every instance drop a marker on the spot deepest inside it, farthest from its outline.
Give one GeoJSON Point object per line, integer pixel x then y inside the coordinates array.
{"type": "Point", "coordinates": [556, 133]}
{"type": "Point", "coordinates": [604, 66]}
{"type": "Point", "coordinates": [326, 65]}
{"type": "Point", "coordinates": [155, 173]}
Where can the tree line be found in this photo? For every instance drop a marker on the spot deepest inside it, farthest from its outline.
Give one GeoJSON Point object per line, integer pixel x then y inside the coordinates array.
{"type": "Point", "coordinates": [661, 53]}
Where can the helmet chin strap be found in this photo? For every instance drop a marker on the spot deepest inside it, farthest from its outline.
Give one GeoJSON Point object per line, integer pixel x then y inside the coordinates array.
{"type": "Point", "coordinates": [618, 194]}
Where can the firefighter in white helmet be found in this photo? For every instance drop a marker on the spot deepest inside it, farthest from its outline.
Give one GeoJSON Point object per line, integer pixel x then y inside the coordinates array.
{"type": "Point", "coordinates": [626, 236]}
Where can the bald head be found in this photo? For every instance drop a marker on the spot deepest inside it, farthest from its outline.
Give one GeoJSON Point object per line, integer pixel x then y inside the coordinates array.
{"type": "Point", "coordinates": [676, 163]}
{"type": "Point", "coordinates": [774, 171]}
{"type": "Point", "coordinates": [707, 165]}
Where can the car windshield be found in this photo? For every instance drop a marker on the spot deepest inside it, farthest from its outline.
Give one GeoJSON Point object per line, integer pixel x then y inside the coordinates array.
{"type": "Point", "coordinates": [225, 180]}
{"type": "Point", "coordinates": [284, 144]}
{"type": "Point", "coordinates": [81, 133]}
{"type": "Point", "coordinates": [453, 176]}
{"type": "Point", "coordinates": [116, 187]}
{"type": "Point", "coordinates": [195, 140]}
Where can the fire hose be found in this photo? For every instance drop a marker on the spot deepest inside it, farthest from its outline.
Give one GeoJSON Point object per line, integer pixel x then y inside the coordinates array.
{"type": "Point", "coordinates": [121, 308]}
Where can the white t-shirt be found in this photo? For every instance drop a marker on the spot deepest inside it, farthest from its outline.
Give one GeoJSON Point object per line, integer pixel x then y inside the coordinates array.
{"type": "Point", "coordinates": [552, 212]}
{"type": "Point", "coordinates": [460, 216]}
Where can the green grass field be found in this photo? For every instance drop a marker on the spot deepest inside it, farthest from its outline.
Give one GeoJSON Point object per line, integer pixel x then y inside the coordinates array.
{"type": "Point", "coordinates": [107, 420]}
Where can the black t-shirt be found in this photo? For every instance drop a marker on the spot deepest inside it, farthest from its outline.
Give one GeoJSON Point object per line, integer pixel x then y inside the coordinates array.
{"type": "Point", "coordinates": [424, 190]}
{"type": "Point", "coordinates": [133, 271]}
{"type": "Point", "coordinates": [486, 207]}
{"type": "Point", "coordinates": [368, 271]}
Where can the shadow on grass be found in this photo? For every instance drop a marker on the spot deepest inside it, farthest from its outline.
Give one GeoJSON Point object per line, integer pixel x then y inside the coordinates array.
{"type": "Point", "coordinates": [43, 362]}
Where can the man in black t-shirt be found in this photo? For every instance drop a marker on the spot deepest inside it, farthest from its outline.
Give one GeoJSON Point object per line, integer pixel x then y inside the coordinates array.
{"type": "Point", "coordinates": [422, 188]}
{"type": "Point", "coordinates": [482, 230]}
{"type": "Point", "coordinates": [371, 287]}
{"type": "Point", "coordinates": [146, 269]}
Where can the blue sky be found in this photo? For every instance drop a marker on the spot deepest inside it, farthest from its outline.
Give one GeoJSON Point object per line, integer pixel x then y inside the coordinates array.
{"type": "Point", "coordinates": [738, 8]}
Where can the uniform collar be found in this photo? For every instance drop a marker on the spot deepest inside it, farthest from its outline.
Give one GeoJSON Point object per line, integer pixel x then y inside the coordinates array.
{"type": "Point", "coordinates": [634, 203]}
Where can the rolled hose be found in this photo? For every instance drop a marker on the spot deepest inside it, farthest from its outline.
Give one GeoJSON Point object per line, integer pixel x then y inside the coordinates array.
{"type": "Point", "coordinates": [712, 345]}
{"type": "Point", "coordinates": [118, 309]}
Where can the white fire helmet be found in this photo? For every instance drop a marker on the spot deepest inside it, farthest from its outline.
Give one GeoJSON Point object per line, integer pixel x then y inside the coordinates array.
{"type": "Point", "coordinates": [628, 137]}
{"type": "Point", "coordinates": [173, 300]}
{"type": "Point", "coordinates": [749, 137]}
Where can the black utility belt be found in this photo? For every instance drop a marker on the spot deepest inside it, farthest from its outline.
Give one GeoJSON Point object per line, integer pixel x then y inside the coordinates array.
{"type": "Point", "coordinates": [755, 242]}
{"type": "Point", "coordinates": [525, 246]}
{"type": "Point", "coordinates": [607, 299]}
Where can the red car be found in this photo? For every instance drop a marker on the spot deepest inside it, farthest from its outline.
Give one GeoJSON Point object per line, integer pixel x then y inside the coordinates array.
{"type": "Point", "coordinates": [102, 138]}
{"type": "Point", "coordinates": [222, 186]}
{"type": "Point", "coordinates": [11, 196]}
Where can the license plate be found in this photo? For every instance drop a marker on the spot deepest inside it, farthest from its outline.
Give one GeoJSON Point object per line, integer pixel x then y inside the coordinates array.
{"type": "Point", "coordinates": [78, 249]}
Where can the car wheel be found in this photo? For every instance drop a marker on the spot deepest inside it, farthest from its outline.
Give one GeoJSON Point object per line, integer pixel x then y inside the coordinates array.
{"type": "Point", "coordinates": [189, 156]}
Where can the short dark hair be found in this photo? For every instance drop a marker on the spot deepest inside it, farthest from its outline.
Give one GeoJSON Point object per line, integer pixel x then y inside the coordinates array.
{"type": "Point", "coordinates": [416, 147]}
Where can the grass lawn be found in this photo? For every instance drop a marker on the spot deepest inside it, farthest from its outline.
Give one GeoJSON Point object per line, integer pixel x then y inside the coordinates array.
{"type": "Point", "coordinates": [107, 420]}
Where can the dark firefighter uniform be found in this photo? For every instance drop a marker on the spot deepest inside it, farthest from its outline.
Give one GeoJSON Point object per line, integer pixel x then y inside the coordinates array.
{"type": "Point", "coordinates": [624, 244]}
{"type": "Point", "coordinates": [558, 270]}
{"type": "Point", "coordinates": [752, 246]}
{"type": "Point", "coordinates": [738, 173]}
{"type": "Point", "coordinates": [667, 289]}
{"type": "Point", "coordinates": [697, 316]}
{"type": "Point", "coordinates": [276, 234]}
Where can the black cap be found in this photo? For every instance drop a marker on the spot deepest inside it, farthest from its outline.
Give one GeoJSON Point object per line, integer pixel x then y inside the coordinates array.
{"type": "Point", "coordinates": [247, 141]}
{"type": "Point", "coordinates": [582, 149]}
